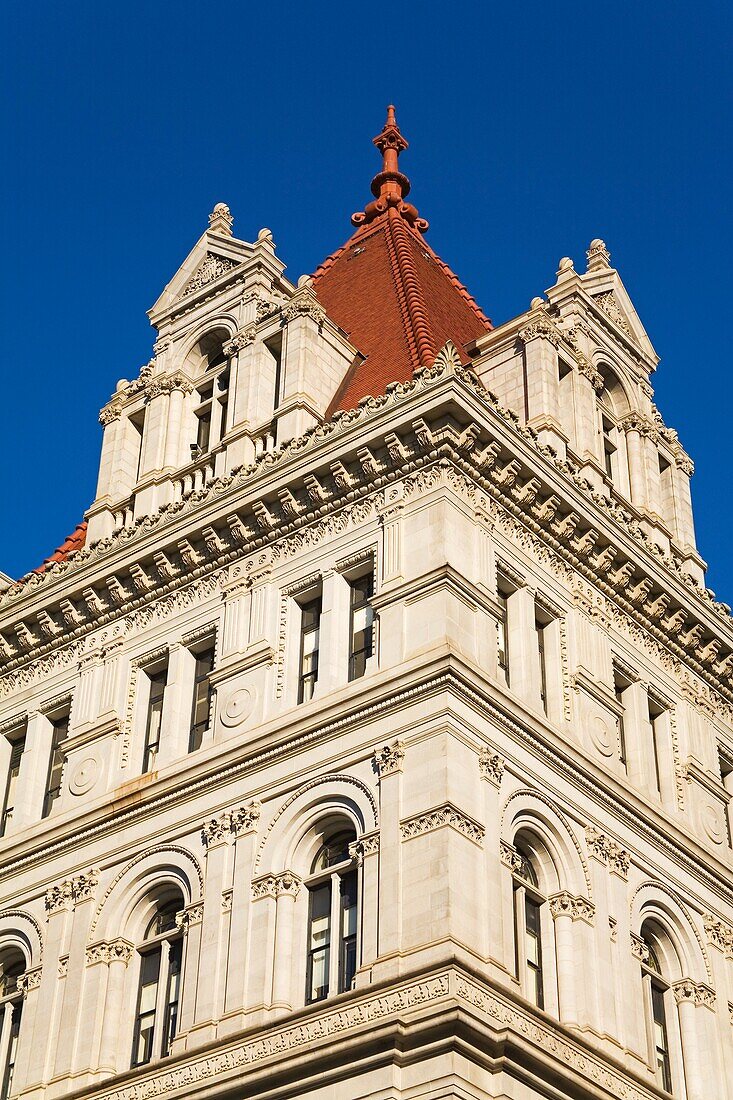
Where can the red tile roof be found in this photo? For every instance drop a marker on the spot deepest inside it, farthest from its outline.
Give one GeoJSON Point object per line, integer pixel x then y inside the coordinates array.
{"type": "Point", "coordinates": [393, 296]}
{"type": "Point", "coordinates": [71, 543]}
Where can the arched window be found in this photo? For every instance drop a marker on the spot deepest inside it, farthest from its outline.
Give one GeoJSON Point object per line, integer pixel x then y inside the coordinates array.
{"type": "Point", "coordinates": [659, 1006]}
{"type": "Point", "coordinates": [12, 965]}
{"type": "Point", "coordinates": [612, 405]}
{"type": "Point", "coordinates": [332, 918]}
{"type": "Point", "coordinates": [159, 986]}
{"type": "Point", "coordinates": [528, 921]}
{"type": "Point", "coordinates": [212, 392]}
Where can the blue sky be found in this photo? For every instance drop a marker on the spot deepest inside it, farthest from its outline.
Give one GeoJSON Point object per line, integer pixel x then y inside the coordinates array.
{"type": "Point", "coordinates": [533, 128]}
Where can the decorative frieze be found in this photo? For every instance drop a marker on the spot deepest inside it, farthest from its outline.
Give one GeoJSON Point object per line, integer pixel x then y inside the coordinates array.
{"type": "Point", "coordinates": [389, 759]}
{"type": "Point", "coordinates": [541, 327]}
{"type": "Point", "coordinates": [565, 904]}
{"type": "Point", "coordinates": [491, 766]}
{"type": "Point", "coordinates": [608, 851]}
{"type": "Point", "coordinates": [212, 267]}
{"type": "Point", "coordinates": [440, 817]}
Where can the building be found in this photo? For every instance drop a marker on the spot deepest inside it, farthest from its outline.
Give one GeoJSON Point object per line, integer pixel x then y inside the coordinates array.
{"type": "Point", "coordinates": [373, 737]}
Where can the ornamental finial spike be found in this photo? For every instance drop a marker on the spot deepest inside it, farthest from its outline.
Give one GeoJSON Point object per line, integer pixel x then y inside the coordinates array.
{"type": "Point", "coordinates": [390, 187]}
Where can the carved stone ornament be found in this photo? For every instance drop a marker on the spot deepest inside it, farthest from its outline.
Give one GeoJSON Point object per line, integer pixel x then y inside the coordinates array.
{"type": "Point", "coordinates": [273, 886]}
{"type": "Point", "coordinates": [608, 302]}
{"type": "Point", "coordinates": [565, 904]}
{"type": "Point", "coordinates": [491, 766]}
{"type": "Point", "coordinates": [119, 950]}
{"type": "Point", "coordinates": [192, 914]}
{"type": "Point", "coordinates": [212, 267]}
{"type": "Point", "coordinates": [608, 851]}
{"type": "Point", "coordinates": [389, 759]}
{"type": "Point", "coordinates": [30, 980]}
{"type": "Point", "coordinates": [221, 220]}
{"type": "Point", "coordinates": [66, 894]}
{"type": "Point", "coordinates": [367, 845]}
{"type": "Point", "coordinates": [510, 857]}
{"type": "Point", "coordinates": [540, 328]}
{"type": "Point", "coordinates": [594, 377]}
{"type": "Point", "coordinates": [639, 949]}
{"type": "Point", "coordinates": [688, 992]}
{"type": "Point", "coordinates": [437, 819]}
{"type": "Point", "coordinates": [110, 413]}
{"type": "Point", "coordinates": [304, 304]}
{"type": "Point", "coordinates": [241, 339]}
{"type": "Point", "coordinates": [720, 935]}
{"type": "Point", "coordinates": [230, 824]}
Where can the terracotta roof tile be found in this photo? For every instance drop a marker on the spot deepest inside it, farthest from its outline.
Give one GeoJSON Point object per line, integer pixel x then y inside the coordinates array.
{"type": "Point", "coordinates": [397, 301]}
{"type": "Point", "coordinates": [70, 545]}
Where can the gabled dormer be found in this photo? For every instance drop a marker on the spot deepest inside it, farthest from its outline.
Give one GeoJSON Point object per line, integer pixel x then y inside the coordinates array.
{"type": "Point", "coordinates": [244, 360]}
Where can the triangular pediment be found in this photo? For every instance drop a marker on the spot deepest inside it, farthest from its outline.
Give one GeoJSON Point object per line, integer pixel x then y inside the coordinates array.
{"type": "Point", "coordinates": [605, 287]}
{"type": "Point", "coordinates": [214, 257]}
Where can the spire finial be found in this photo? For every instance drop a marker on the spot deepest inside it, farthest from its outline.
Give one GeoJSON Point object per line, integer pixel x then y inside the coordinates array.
{"type": "Point", "coordinates": [390, 187]}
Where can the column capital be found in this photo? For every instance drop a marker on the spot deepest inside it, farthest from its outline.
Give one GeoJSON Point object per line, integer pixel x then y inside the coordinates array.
{"type": "Point", "coordinates": [389, 759]}
{"type": "Point", "coordinates": [67, 894]}
{"type": "Point", "coordinates": [491, 765]}
{"type": "Point", "coordinates": [687, 991]}
{"type": "Point", "coordinates": [119, 950]}
{"type": "Point", "coordinates": [366, 845]}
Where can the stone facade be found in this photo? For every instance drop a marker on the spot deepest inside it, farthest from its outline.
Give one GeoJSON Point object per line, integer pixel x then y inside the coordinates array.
{"type": "Point", "coordinates": [445, 661]}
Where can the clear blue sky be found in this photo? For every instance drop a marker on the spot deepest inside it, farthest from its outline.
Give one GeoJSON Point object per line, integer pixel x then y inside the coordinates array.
{"type": "Point", "coordinates": [533, 128]}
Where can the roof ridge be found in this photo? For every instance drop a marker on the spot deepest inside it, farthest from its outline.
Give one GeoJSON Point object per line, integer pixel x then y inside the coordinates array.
{"type": "Point", "coordinates": [416, 309]}
{"type": "Point", "coordinates": [402, 302]}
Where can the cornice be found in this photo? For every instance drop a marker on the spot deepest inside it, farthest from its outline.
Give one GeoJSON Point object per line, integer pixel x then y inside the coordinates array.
{"type": "Point", "coordinates": [599, 540]}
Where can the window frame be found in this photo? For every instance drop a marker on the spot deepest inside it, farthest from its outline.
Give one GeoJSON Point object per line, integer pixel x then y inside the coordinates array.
{"type": "Point", "coordinates": [17, 741]}
{"type": "Point", "coordinates": [11, 1001]}
{"type": "Point", "coordinates": [526, 894]}
{"type": "Point", "coordinates": [305, 603]}
{"type": "Point", "coordinates": [151, 748]}
{"type": "Point", "coordinates": [59, 722]}
{"type": "Point", "coordinates": [204, 648]}
{"type": "Point", "coordinates": [367, 650]}
{"type": "Point", "coordinates": [657, 994]}
{"type": "Point", "coordinates": [342, 957]}
{"type": "Point", "coordinates": [167, 945]}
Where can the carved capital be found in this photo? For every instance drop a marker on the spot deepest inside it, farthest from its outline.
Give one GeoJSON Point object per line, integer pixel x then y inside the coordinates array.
{"type": "Point", "coordinates": [110, 413]}
{"type": "Point", "coordinates": [245, 819]}
{"type": "Point", "coordinates": [241, 339]}
{"type": "Point", "coordinates": [594, 377]}
{"type": "Point", "coordinates": [273, 886]}
{"type": "Point", "coordinates": [119, 950]}
{"type": "Point", "coordinates": [67, 894]}
{"type": "Point", "coordinates": [366, 845]}
{"type": "Point", "coordinates": [30, 980]}
{"type": "Point", "coordinates": [304, 304]}
{"type": "Point", "coordinates": [540, 328]}
{"type": "Point", "coordinates": [687, 991]}
{"type": "Point", "coordinates": [491, 766]}
{"type": "Point", "coordinates": [216, 831]}
{"type": "Point", "coordinates": [720, 935]}
{"type": "Point", "coordinates": [608, 851]}
{"type": "Point", "coordinates": [565, 904]}
{"type": "Point", "coordinates": [389, 759]}
{"type": "Point", "coordinates": [192, 914]}
{"type": "Point", "coordinates": [639, 949]}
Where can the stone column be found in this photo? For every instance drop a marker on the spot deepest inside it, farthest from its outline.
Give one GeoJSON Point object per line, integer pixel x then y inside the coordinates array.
{"type": "Point", "coordinates": [632, 426]}
{"type": "Point", "coordinates": [389, 761]}
{"type": "Point", "coordinates": [287, 889]}
{"type": "Point", "coordinates": [33, 771]}
{"type": "Point", "coordinates": [190, 920]}
{"type": "Point", "coordinates": [541, 341]}
{"type": "Point", "coordinates": [688, 996]}
{"type": "Point", "coordinates": [29, 984]}
{"type": "Point", "coordinates": [498, 944]}
{"type": "Point", "coordinates": [110, 960]}
{"type": "Point", "coordinates": [72, 1047]}
{"type": "Point", "coordinates": [365, 851]}
{"type": "Point", "coordinates": [217, 837]}
{"type": "Point", "coordinates": [329, 634]}
{"type": "Point", "coordinates": [262, 946]}
{"type": "Point", "coordinates": [244, 823]}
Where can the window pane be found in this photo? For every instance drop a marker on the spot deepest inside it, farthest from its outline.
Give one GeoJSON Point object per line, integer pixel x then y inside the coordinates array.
{"type": "Point", "coordinates": [319, 942]}
{"type": "Point", "coordinates": [145, 1022]}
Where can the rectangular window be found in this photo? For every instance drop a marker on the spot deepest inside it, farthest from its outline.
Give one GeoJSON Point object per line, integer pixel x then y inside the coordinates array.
{"type": "Point", "coordinates": [347, 947]}
{"type": "Point", "coordinates": [60, 732]}
{"type": "Point", "coordinates": [222, 385]}
{"type": "Point", "coordinates": [542, 621]}
{"type": "Point", "coordinates": [620, 685]}
{"type": "Point", "coordinates": [170, 1022]}
{"type": "Point", "coordinates": [17, 748]}
{"type": "Point", "coordinates": [202, 693]}
{"type": "Point", "coordinates": [142, 1045]}
{"type": "Point", "coordinates": [661, 1041]}
{"type": "Point", "coordinates": [361, 625]}
{"type": "Point", "coordinates": [609, 447]}
{"type": "Point", "coordinates": [154, 718]}
{"type": "Point", "coordinates": [502, 638]}
{"type": "Point", "coordinates": [726, 777]}
{"type": "Point", "coordinates": [310, 622]}
{"type": "Point", "coordinates": [203, 416]}
{"type": "Point", "coordinates": [319, 942]}
{"type": "Point", "coordinates": [138, 425]}
{"type": "Point", "coordinates": [532, 917]}
{"type": "Point", "coordinates": [655, 715]}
